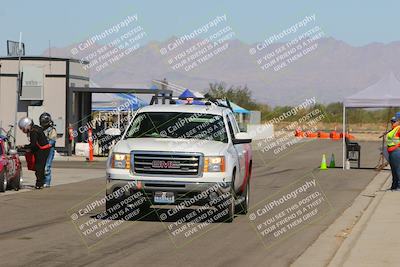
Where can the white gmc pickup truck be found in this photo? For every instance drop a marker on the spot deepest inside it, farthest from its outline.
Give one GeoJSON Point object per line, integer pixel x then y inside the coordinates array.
{"type": "Point", "coordinates": [173, 152]}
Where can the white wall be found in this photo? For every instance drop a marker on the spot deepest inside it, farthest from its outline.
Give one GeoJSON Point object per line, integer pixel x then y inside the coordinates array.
{"type": "Point", "coordinates": [54, 93]}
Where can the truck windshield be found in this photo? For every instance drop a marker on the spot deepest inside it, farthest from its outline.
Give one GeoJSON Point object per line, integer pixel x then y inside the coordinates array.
{"type": "Point", "coordinates": [178, 125]}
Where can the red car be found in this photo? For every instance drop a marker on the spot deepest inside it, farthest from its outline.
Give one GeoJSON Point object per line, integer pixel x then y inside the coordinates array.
{"type": "Point", "coordinates": [10, 166]}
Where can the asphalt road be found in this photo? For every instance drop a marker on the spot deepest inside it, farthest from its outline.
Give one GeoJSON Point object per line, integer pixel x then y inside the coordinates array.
{"type": "Point", "coordinates": [36, 230]}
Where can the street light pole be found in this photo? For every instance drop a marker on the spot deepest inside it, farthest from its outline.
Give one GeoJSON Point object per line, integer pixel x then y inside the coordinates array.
{"type": "Point", "coordinates": [18, 90]}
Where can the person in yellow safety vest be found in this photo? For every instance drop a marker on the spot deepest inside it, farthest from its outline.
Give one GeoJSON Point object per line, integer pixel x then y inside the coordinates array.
{"type": "Point", "coordinates": [393, 144]}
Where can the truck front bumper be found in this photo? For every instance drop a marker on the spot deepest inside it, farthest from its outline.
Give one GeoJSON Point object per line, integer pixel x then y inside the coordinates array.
{"type": "Point", "coordinates": [183, 190]}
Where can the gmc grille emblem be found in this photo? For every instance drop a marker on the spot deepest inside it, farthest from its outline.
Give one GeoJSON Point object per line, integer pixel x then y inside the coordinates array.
{"type": "Point", "coordinates": [165, 164]}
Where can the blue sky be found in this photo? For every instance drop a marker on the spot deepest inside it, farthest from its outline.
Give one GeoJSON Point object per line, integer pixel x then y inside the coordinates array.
{"type": "Point", "coordinates": [65, 22]}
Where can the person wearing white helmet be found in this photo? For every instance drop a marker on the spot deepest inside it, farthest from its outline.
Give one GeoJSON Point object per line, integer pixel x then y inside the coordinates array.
{"type": "Point", "coordinates": [38, 145]}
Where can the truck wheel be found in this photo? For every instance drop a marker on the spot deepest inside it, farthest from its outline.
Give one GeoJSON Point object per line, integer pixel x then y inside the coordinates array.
{"type": "Point", "coordinates": [230, 208]}
{"type": "Point", "coordinates": [114, 206]}
{"type": "Point", "coordinates": [144, 209]}
{"type": "Point", "coordinates": [111, 206]}
{"type": "Point", "coordinates": [244, 205]}
{"type": "Point", "coordinates": [3, 182]}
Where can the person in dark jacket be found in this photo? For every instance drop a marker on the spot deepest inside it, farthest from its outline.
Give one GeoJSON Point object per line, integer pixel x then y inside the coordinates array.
{"type": "Point", "coordinates": [50, 132]}
{"type": "Point", "coordinates": [38, 145]}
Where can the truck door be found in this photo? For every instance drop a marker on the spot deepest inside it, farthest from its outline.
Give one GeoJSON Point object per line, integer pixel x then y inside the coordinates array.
{"type": "Point", "coordinates": [239, 148]}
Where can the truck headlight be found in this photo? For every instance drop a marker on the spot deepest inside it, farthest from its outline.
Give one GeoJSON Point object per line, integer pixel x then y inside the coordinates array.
{"type": "Point", "coordinates": [121, 161]}
{"type": "Point", "coordinates": [214, 164]}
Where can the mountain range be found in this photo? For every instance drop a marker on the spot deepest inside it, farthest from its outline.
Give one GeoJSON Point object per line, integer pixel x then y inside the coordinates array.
{"type": "Point", "coordinates": [332, 71]}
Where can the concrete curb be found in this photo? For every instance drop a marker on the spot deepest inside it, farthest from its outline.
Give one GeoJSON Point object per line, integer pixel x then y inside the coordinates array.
{"type": "Point", "coordinates": [348, 244]}
{"type": "Point", "coordinates": [332, 245]}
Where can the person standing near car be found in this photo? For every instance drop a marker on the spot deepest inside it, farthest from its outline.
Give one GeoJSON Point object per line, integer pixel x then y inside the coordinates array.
{"type": "Point", "coordinates": [393, 147]}
{"type": "Point", "coordinates": [38, 146]}
{"type": "Point", "coordinates": [48, 128]}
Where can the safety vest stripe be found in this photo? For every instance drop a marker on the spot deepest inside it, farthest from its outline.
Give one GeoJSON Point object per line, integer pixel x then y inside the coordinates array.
{"type": "Point", "coordinates": [392, 140]}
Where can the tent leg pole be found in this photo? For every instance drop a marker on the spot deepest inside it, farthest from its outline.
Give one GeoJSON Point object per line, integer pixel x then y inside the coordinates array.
{"type": "Point", "coordinates": [344, 136]}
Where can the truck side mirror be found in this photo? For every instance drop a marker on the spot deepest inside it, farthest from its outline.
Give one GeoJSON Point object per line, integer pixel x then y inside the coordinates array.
{"type": "Point", "coordinates": [241, 138]}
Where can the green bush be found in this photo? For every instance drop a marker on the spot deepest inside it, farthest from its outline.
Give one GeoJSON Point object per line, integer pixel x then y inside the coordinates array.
{"type": "Point", "coordinates": [241, 95]}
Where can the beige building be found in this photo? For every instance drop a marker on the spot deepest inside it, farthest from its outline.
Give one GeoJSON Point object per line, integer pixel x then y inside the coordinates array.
{"type": "Point", "coordinates": [45, 88]}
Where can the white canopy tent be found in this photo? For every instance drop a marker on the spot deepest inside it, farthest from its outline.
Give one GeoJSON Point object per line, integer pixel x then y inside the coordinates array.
{"type": "Point", "coordinates": [383, 94]}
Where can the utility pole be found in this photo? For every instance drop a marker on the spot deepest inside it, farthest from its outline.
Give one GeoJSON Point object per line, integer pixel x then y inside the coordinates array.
{"type": "Point", "coordinates": [18, 90]}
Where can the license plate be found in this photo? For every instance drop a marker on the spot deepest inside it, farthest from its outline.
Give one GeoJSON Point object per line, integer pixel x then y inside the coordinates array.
{"type": "Point", "coordinates": [164, 197]}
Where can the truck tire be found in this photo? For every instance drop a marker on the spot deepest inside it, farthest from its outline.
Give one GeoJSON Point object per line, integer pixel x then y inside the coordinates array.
{"type": "Point", "coordinates": [110, 204]}
{"type": "Point", "coordinates": [3, 181]}
{"type": "Point", "coordinates": [243, 207]}
{"type": "Point", "coordinates": [138, 211]}
{"type": "Point", "coordinates": [228, 218]}
{"type": "Point", "coordinates": [112, 208]}
{"type": "Point", "coordinates": [144, 209]}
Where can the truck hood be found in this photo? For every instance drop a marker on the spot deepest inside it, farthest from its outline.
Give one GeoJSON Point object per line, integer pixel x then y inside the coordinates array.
{"type": "Point", "coordinates": [208, 148]}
